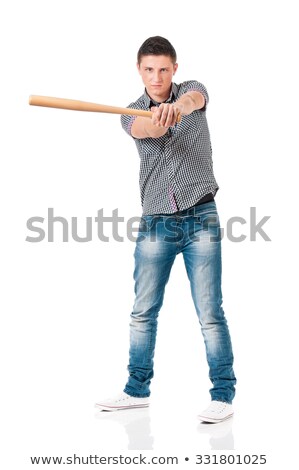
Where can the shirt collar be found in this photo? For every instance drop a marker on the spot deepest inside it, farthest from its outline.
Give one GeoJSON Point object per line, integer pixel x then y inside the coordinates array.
{"type": "Point", "coordinates": [172, 97]}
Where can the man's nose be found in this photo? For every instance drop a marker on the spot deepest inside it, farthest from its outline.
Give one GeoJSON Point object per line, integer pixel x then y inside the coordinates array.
{"type": "Point", "coordinates": [157, 76]}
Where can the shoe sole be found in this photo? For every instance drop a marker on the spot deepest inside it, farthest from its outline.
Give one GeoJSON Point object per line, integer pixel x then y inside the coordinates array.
{"type": "Point", "coordinates": [205, 419]}
{"type": "Point", "coordinates": [118, 408]}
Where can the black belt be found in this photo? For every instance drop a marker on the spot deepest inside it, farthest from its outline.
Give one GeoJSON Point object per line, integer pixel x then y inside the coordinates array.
{"type": "Point", "coordinates": [207, 198]}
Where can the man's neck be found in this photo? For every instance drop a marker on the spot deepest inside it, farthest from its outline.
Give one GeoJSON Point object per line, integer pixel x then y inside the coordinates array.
{"type": "Point", "coordinates": [160, 99]}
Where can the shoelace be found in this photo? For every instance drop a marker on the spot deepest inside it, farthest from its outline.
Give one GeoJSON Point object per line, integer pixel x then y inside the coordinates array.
{"type": "Point", "coordinates": [217, 406]}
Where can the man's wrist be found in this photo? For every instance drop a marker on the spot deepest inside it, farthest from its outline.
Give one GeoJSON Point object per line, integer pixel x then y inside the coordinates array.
{"type": "Point", "coordinates": [185, 104]}
{"type": "Point", "coordinates": [153, 130]}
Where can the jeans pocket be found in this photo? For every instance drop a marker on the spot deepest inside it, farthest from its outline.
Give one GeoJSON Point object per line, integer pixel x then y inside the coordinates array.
{"type": "Point", "coordinates": [148, 223]}
{"type": "Point", "coordinates": [143, 226]}
{"type": "Point", "coordinates": [211, 226]}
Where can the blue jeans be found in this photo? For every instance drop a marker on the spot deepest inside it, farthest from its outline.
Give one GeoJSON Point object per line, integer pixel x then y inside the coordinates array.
{"type": "Point", "coordinates": [195, 233]}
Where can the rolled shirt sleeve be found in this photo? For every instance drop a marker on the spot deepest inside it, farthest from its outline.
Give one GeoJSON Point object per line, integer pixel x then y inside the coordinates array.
{"type": "Point", "coordinates": [127, 121]}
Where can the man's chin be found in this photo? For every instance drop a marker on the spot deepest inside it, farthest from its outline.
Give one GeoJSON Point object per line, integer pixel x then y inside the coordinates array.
{"type": "Point", "coordinates": [158, 92]}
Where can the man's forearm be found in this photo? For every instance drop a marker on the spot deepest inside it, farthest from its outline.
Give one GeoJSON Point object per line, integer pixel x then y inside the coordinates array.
{"type": "Point", "coordinates": [190, 101]}
{"type": "Point", "coordinates": [142, 128]}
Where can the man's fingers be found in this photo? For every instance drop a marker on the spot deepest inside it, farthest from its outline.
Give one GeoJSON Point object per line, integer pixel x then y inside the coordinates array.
{"type": "Point", "coordinates": [164, 115]}
{"type": "Point", "coordinates": [167, 116]}
{"type": "Point", "coordinates": [171, 118]}
{"type": "Point", "coordinates": [156, 115]}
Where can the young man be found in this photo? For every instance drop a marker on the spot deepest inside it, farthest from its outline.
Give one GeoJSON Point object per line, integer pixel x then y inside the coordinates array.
{"type": "Point", "coordinates": [177, 187]}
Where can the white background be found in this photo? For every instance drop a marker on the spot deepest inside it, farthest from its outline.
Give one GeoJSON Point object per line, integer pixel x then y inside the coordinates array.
{"type": "Point", "coordinates": [65, 306]}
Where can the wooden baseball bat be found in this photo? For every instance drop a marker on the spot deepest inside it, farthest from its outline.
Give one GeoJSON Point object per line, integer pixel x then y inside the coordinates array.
{"type": "Point", "coordinates": [76, 105]}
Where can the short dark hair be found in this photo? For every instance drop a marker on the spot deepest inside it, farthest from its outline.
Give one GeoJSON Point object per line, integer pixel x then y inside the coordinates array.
{"type": "Point", "coordinates": [156, 45]}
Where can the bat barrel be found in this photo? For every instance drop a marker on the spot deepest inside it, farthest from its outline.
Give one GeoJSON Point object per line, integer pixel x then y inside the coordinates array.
{"type": "Point", "coordinates": [76, 105]}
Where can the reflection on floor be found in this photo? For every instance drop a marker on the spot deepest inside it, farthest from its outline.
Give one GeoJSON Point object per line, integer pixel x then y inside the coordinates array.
{"type": "Point", "coordinates": [137, 426]}
{"type": "Point", "coordinates": [220, 435]}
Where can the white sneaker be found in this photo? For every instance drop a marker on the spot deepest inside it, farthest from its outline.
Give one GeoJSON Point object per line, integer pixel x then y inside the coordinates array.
{"type": "Point", "coordinates": [217, 411]}
{"type": "Point", "coordinates": [122, 402]}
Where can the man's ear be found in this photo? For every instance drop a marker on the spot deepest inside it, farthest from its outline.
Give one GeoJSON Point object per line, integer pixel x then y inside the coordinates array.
{"type": "Point", "coordinates": [175, 68]}
{"type": "Point", "coordinates": [138, 67]}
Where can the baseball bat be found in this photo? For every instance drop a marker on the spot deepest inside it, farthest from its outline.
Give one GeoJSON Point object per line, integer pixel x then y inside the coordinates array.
{"type": "Point", "coordinates": [76, 105]}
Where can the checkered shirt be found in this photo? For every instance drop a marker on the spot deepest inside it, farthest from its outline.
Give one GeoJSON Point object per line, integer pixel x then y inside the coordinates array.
{"type": "Point", "coordinates": [176, 170]}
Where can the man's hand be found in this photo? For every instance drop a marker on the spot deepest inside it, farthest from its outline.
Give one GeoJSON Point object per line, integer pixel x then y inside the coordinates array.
{"type": "Point", "coordinates": [166, 114]}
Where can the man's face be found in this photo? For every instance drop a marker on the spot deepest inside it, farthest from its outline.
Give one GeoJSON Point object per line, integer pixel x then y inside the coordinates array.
{"type": "Point", "coordinates": [156, 72]}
